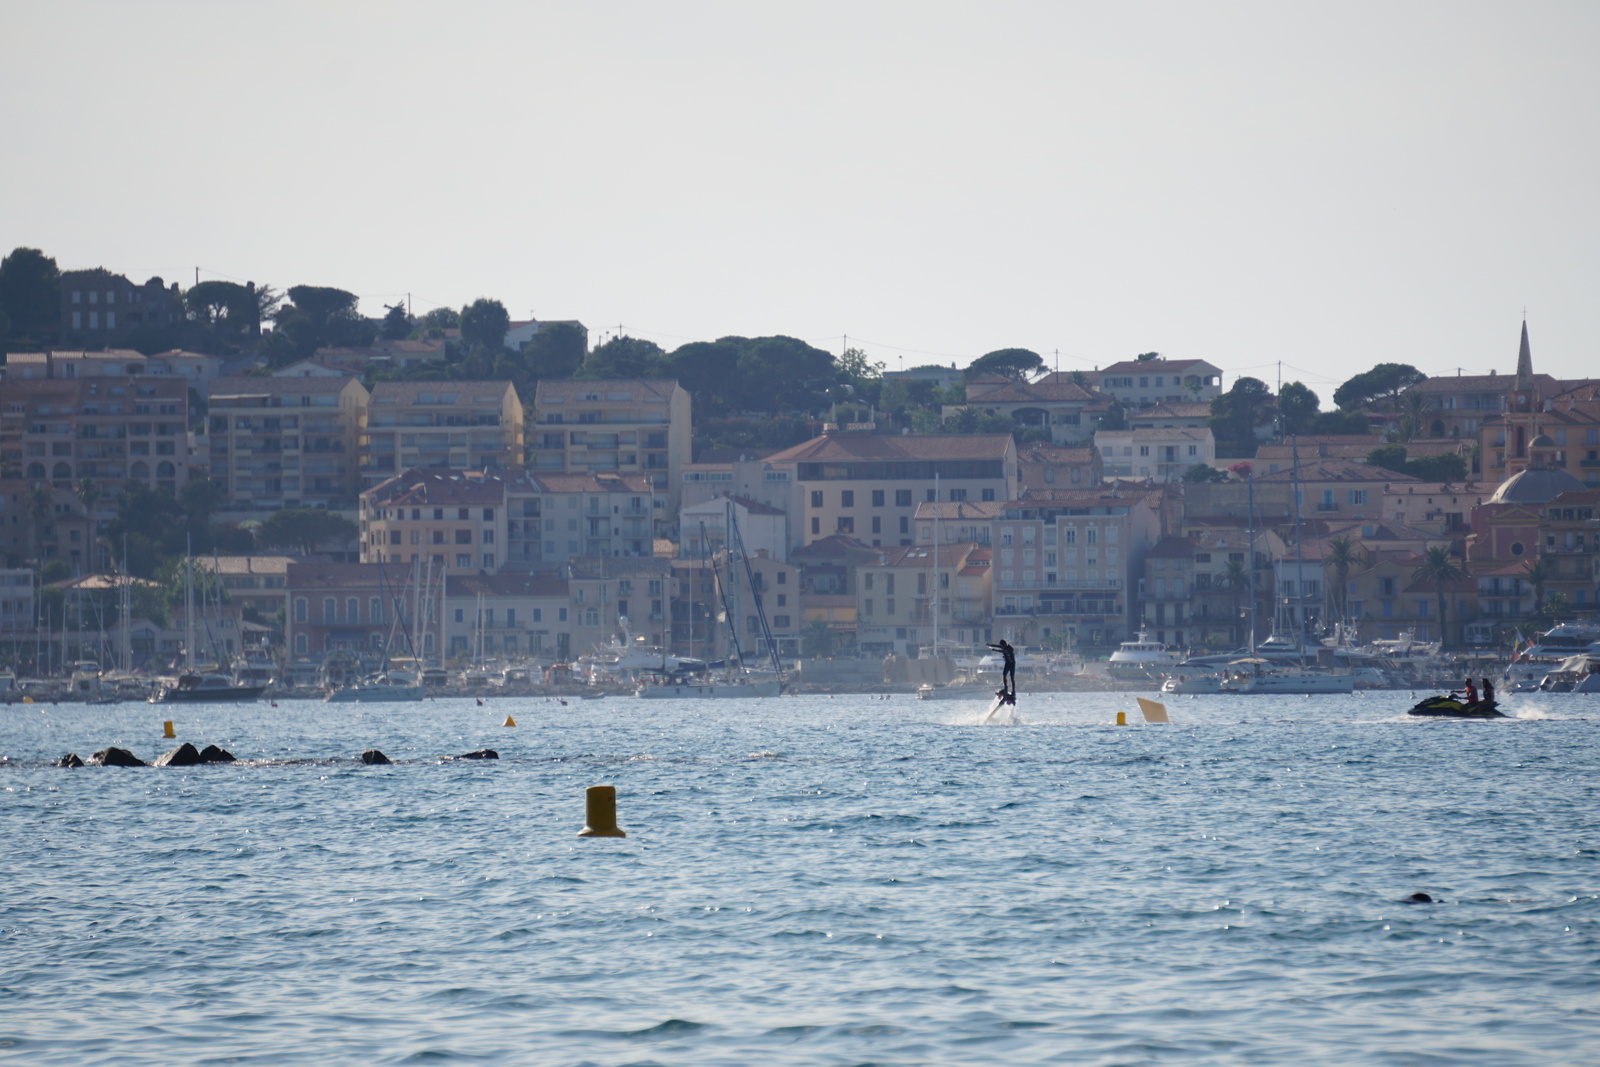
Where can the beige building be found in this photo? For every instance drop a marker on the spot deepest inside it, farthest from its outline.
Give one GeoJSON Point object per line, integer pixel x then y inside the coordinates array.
{"type": "Point", "coordinates": [507, 616]}
{"type": "Point", "coordinates": [1439, 507]}
{"type": "Point", "coordinates": [104, 430]}
{"type": "Point", "coordinates": [626, 426]}
{"type": "Point", "coordinates": [606, 590]}
{"type": "Point", "coordinates": [909, 593]}
{"type": "Point", "coordinates": [1334, 489]}
{"type": "Point", "coordinates": [454, 521]}
{"type": "Point", "coordinates": [1142, 383]}
{"type": "Point", "coordinates": [555, 517]}
{"type": "Point", "coordinates": [446, 425]}
{"type": "Point", "coordinates": [258, 583]}
{"type": "Point", "coordinates": [1068, 410]}
{"type": "Point", "coordinates": [276, 443]}
{"type": "Point", "coordinates": [193, 367]}
{"type": "Point", "coordinates": [1156, 454]}
{"type": "Point", "coordinates": [869, 486]}
{"type": "Point", "coordinates": [1045, 466]}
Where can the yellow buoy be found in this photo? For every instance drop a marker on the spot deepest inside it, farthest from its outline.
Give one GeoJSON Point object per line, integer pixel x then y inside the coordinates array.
{"type": "Point", "coordinates": [27, 700]}
{"type": "Point", "coordinates": [509, 721]}
{"type": "Point", "coordinates": [166, 729]}
{"type": "Point", "coordinates": [1122, 718]}
{"type": "Point", "coordinates": [600, 813]}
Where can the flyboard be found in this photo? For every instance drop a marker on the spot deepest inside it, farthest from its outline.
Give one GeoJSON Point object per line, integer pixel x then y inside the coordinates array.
{"type": "Point", "coordinates": [1003, 709]}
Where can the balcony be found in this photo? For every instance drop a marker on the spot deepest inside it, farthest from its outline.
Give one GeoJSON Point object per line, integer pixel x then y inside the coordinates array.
{"type": "Point", "coordinates": [1060, 583]}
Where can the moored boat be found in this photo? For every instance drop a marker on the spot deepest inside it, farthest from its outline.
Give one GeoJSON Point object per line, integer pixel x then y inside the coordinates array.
{"type": "Point", "coordinates": [204, 688]}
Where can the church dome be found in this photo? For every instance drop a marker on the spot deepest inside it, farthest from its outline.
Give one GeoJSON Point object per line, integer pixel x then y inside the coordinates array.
{"type": "Point", "coordinates": [1535, 487]}
{"type": "Point", "coordinates": [1542, 441]}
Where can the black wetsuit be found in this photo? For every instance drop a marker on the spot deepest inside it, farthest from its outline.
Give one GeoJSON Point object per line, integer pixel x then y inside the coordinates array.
{"type": "Point", "coordinates": [1488, 691]}
{"type": "Point", "coordinates": [1008, 674]}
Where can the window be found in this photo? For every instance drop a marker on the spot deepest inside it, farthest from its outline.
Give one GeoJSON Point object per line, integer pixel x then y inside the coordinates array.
{"type": "Point", "coordinates": [438, 514]}
{"type": "Point", "coordinates": [816, 525]}
{"type": "Point", "coordinates": [375, 610]}
{"type": "Point", "coordinates": [958, 495]}
{"type": "Point", "coordinates": [877, 495]}
{"type": "Point", "coordinates": [902, 498]}
{"type": "Point", "coordinates": [488, 514]}
{"type": "Point", "coordinates": [329, 610]}
{"type": "Point", "coordinates": [877, 524]}
{"type": "Point", "coordinates": [488, 561]}
{"type": "Point", "coordinates": [905, 524]}
{"type": "Point", "coordinates": [866, 606]}
{"type": "Point", "coordinates": [538, 614]}
{"type": "Point", "coordinates": [1356, 496]}
{"type": "Point", "coordinates": [352, 610]}
{"type": "Point", "coordinates": [816, 498]}
{"type": "Point", "coordinates": [846, 525]}
{"type": "Point", "coordinates": [847, 498]}
{"type": "Point", "coordinates": [299, 609]}
{"type": "Point", "coordinates": [561, 614]}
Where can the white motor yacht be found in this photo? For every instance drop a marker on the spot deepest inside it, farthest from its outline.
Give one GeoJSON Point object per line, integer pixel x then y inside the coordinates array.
{"type": "Point", "coordinates": [1141, 658]}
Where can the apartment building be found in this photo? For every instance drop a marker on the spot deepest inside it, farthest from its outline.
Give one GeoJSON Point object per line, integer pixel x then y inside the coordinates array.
{"type": "Point", "coordinates": [258, 584]}
{"type": "Point", "coordinates": [196, 368]}
{"type": "Point", "coordinates": [828, 569]}
{"type": "Point", "coordinates": [1065, 560]}
{"type": "Point", "coordinates": [507, 616]}
{"type": "Point", "coordinates": [1439, 507]}
{"type": "Point", "coordinates": [908, 594]}
{"type": "Point", "coordinates": [1068, 410]}
{"type": "Point", "coordinates": [97, 306]}
{"type": "Point", "coordinates": [1161, 454]}
{"type": "Point", "coordinates": [868, 485]}
{"type": "Point", "coordinates": [1167, 592]}
{"type": "Point", "coordinates": [351, 606]}
{"type": "Point", "coordinates": [1045, 466]}
{"type": "Point", "coordinates": [105, 431]}
{"type": "Point", "coordinates": [453, 521]}
{"type": "Point", "coordinates": [276, 443]}
{"type": "Point", "coordinates": [606, 590]}
{"type": "Point", "coordinates": [448, 425]}
{"type": "Point", "coordinates": [17, 605]}
{"type": "Point", "coordinates": [1333, 489]}
{"type": "Point", "coordinates": [704, 527]}
{"type": "Point", "coordinates": [1142, 383]}
{"type": "Point", "coordinates": [557, 516]}
{"type": "Point", "coordinates": [622, 426]}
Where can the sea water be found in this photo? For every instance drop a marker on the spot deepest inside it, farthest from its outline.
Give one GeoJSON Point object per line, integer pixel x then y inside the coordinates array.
{"type": "Point", "coordinates": [805, 880]}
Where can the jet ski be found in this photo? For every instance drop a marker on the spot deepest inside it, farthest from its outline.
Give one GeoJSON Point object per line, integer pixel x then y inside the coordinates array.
{"type": "Point", "coordinates": [1448, 707]}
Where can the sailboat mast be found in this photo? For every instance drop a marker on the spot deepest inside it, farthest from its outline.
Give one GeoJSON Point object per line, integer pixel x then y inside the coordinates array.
{"type": "Point", "coordinates": [1250, 554]}
{"type": "Point", "coordinates": [935, 565]}
{"type": "Point", "coordinates": [1299, 571]}
{"type": "Point", "coordinates": [127, 611]}
{"type": "Point", "coordinates": [188, 604]}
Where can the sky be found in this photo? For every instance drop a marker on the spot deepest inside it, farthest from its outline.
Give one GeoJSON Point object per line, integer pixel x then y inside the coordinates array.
{"type": "Point", "coordinates": [1323, 186]}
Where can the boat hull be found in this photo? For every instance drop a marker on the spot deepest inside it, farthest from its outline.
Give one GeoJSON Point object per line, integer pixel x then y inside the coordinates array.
{"type": "Point", "coordinates": [711, 690]}
{"type": "Point", "coordinates": [1296, 685]}
{"type": "Point", "coordinates": [1448, 708]}
{"type": "Point", "coordinates": [208, 696]}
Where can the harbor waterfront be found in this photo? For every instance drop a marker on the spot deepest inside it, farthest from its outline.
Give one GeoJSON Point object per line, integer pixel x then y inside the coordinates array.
{"type": "Point", "coordinates": [811, 879]}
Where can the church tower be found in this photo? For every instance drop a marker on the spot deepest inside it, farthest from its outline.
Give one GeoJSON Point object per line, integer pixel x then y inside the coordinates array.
{"type": "Point", "coordinates": [1522, 415]}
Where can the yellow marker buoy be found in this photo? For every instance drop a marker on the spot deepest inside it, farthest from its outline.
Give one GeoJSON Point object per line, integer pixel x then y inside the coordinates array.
{"type": "Point", "coordinates": [1122, 718]}
{"type": "Point", "coordinates": [600, 813]}
{"type": "Point", "coordinates": [1154, 710]}
{"type": "Point", "coordinates": [509, 721]}
{"type": "Point", "coordinates": [166, 729]}
{"type": "Point", "coordinates": [27, 700]}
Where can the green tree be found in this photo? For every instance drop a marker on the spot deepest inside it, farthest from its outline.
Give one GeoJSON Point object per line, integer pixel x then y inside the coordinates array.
{"type": "Point", "coordinates": [1340, 422]}
{"type": "Point", "coordinates": [1298, 405]}
{"type": "Point", "coordinates": [304, 529]}
{"type": "Point", "coordinates": [1440, 570]}
{"type": "Point", "coordinates": [817, 641]}
{"type": "Point", "coordinates": [316, 317]}
{"type": "Point", "coordinates": [1412, 408]}
{"type": "Point", "coordinates": [1536, 572]}
{"type": "Point", "coordinates": [1390, 457]}
{"type": "Point", "coordinates": [1236, 414]}
{"type": "Point", "coordinates": [1202, 473]}
{"type": "Point", "coordinates": [227, 310]}
{"type": "Point", "coordinates": [1116, 416]}
{"type": "Point", "coordinates": [624, 357]}
{"type": "Point", "coordinates": [396, 325]}
{"type": "Point", "coordinates": [1146, 357]}
{"type": "Point", "coordinates": [556, 351]}
{"type": "Point", "coordinates": [1342, 555]}
{"type": "Point", "coordinates": [1382, 384]}
{"type": "Point", "coordinates": [441, 319]}
{"type": "Point", "coordinates": [1018, 363]}
{"type": "Point", "coordinates": [30, 296]}
{"type": "Point", "coordinates": [1556, 606]}
{"type": "Point", "coordinates": [1445, 467]}
{"type": "Point", "coordinates": [484, 323]}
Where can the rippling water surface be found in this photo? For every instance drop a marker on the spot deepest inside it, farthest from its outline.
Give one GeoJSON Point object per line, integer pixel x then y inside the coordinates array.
{"type": "Point", "coordinates": [805, 880]}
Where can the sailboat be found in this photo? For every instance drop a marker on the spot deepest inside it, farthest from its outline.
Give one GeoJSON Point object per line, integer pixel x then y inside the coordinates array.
{"type": "Point", "coordinates": [740, 682]}
{"type": "Point", "coordinates": [192, 687]}
{"type": "Point", "coordinates": [390, 686]}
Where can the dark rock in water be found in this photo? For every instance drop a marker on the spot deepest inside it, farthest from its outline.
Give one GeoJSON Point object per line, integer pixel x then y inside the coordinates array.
{"type": "Point", "coordinates": [69, 760]}
{"type": "Point", "coordinates": [114, 757]}
{"type": "Point", "coordinates": [372, 756]}
{"type": "Point", "coordinates": [213, 754]}
{"type": "Point", "coordinates": [185, 755]}
{"type": "Point", "coordinates": [482, 753]}
{"type": "Point", "coordinates": [1419, 898]}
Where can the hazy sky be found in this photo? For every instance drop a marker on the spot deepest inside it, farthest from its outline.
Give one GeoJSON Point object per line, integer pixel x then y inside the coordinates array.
{"type": "Point", "coordinates": [1329, 185]}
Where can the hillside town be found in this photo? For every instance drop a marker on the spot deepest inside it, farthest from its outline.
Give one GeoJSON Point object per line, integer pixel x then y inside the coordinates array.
{"type": "Point", "coordinates": [233, 475]}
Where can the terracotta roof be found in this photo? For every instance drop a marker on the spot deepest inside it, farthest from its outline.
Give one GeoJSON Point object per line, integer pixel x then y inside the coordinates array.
{"type": "Point", "coordinates": [1014, 392]}
{"type": "Point", "coordinates": [1482, 383]}
{"type": "Point", "coordinates": [831, 545]}
{"type": "Point", "coordinates": [844, 448]}
{"type": "Point", "coordinates": [952, 554]}
{"type": "Point", "coordinates": [437, 487]}
{"type": "Point", "coordinates": [317, 574]}
{"type": "Point", "coordinates": [1156, 366]}
{"type": "Point", "coordinates": [247, 564]}
{"type": "Point", "coordinates": [1055, 455]}
{"type": "Point", "coordinates": [593, 483]}
{"type": "Point", "coordinates": [1336, 470]}
{"type": "Point", "coordinates": [960, 509]}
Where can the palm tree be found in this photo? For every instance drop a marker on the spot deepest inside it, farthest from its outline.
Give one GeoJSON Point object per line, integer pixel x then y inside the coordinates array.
{"type": "Point", "coordinates": [1236, 579]}
{"type": "Point", "coordinates": [1342, 554]}
{"type": "Point", "coordinates": [1439, 569]}
{"type": "Point", "coordinates": [1412, 409]}
{"type": "Point", "coordinates": [1536, 572]}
